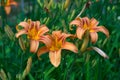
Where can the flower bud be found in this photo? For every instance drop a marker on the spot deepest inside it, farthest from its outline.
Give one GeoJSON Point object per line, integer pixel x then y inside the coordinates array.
{"type": "Point", "coordinates": [21, 43]}
{"type": "Point", "coordinates": [9, 32]}
{"type": "Point", "coordinates": [85, 42]}
{"type": "Point", "coordinates": [3, 76]}
{"type": "Point", "coordinates": [67, 2]}
{"type": "Point", "coordinates": [28, 67]}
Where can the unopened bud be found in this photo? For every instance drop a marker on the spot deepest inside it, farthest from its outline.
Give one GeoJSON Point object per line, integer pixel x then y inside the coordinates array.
{"type": "Point", "coordinates": [67, 2]}
{"type": "Point", "coordinates": [9, 32]}
{"type": "Point", "coordinates": [72, 15]}
{"type": "Point", "coordinates": [85, 42]}
{"type": "Point", "coordinates": [3, 76]}
{"type": "Point", "coordinates": [102, 53]}
{"type": "Point", "coordinates": [21, 43]}
{"type": "Point", "coordinates": [88, 4]}
{"type": "Point", "coordinates": [28, 67]}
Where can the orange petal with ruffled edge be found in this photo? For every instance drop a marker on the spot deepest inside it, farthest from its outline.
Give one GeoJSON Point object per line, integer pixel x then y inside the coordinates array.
{"type": "Point", "coordinates": [80, 32]}
{"type": "Point", "coordinates": [76, 22]}
{"type": "Point", "coordinates": [93, 22]}
{"type": "Point", "coordinates": [46, 40]}
{"type": "Point", "coordinates": [94, 37]}
{"type": "Point", "coordinates": [55, 57]}
{"type": "Point", "coordinates": [103, 29]}
{"type": "Point", "coordinates": [70, 46]}
{"type": "Point", "coordinates": [56, 33]}
{"type": "Point", "coordinates": [21, 32]}
{"type": "Point", "coordinates": [63, 37]}
{"type": "Point", "coordinates": [85, 20]}
{"type": "Point", "coordinates": [24, 25]}
{"type": "Point", "coordinates": [42, 50]}
{"type": "Point", "coordinates": [34, 46]}
{"type": "Point", "coordinates": [43, 29]}
{"type": "Point", "coordinates": [38, 24]}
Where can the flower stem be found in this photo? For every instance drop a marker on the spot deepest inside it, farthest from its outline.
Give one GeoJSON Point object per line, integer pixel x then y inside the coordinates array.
{"type": "Point", "coordinates": [86, 5]}
{"type": "Point", "coordinates": [83, 9]}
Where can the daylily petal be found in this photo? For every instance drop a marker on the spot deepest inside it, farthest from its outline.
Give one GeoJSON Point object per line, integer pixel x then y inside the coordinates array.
{"type": "Point", "coordinates": [43, 29]}
{"type": "Point", "coordinates": [24, 24]}
{"type": "Point", "coordinates": [21, 32]}
{"type": "Point", "coordinates": [55, 57]}
{"type": "Point", "coordinates": [104, 30]}
{"type": "Point", "coordinates": [38, 24]}
{"type": "Point", "coordinates": [94, 36]}
{"type": "Point", "coordinates": [76, 22]}
{"type": "Point", "coordinates": [78, 18]}
{"type": "Point", "coordinates": [31, 24]}
{"type": "Point", "coordinates": [85, 20]}
{"type": "Point", "coordinates": [56, 33]}
{"type": "Point", "coordinates": [80, 32]}
{"type": "Point", "coordinates": [42, 50]}
{"type": "Point", "coordinates": [63, 37]}
{"type": "Point", "coordinates": [46, 40]}
{"type": "Point", "coordinates": [7, 9]}
{"type": "Point", "coordinates": [70, 46]}
{"type": "Point", "coordinates": [34, 46]}
{"type": "Point", "coordinates": [93, 22]}
{"type": "Point", "coordinates": [100, 52]}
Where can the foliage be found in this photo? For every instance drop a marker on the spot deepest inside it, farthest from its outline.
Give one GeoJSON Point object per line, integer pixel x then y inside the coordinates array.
{"type": "Point", "coordinates": [88, 65]}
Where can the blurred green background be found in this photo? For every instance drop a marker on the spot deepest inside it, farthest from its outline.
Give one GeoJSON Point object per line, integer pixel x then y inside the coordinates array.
{"type": "Point", "coordinates": [87, 66]}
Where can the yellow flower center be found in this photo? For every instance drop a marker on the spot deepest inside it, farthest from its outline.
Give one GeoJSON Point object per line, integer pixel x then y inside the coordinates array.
{"type": "Point", "coordinates": [92, 30]}
{"type": "Point", "coordinates": [33, 33]}
{"type": "Point", "coordinates": [56, 45]}
{"type": "Point", "coordinates": [87, 27]}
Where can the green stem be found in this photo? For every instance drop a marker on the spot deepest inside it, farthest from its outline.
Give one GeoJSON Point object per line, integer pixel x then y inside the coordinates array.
{"type": "Point", "coordinates": [88, 67]}
{"type": "Point", "coordinates": [83, 9]}
{"type": "Point", "coordinates": [21, 65]}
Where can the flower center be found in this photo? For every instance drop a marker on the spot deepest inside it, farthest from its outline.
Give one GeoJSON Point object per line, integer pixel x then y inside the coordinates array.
{"type": "Point", "coordinates": [56, 45]}
{"type": "Point", "coordinates": [87, 27]}
{"type": "Point", "coordinates": [92, 30]}
{"type": "Point", "coordinates": [33, 33]}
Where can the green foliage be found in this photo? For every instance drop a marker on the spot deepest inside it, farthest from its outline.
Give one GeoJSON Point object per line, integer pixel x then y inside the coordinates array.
{"type": "Point", "coordinates": [87, 66]}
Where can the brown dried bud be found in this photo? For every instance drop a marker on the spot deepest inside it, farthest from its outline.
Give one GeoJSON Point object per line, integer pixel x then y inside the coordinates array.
{"type": "Point", "coordinates": [88, 4]}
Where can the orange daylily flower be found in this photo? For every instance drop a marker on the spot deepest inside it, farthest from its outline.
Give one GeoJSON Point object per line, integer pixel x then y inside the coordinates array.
{"type": "Point", "coordinates": [90, 25]}
{"type": "Point", "coordinates": [34, 32]}
{"type": "Point", "coordinates": [54, 44]}
{"type": "Point", "coordinates": [8, 4]}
